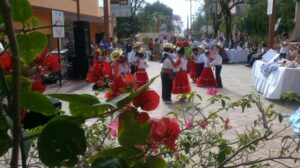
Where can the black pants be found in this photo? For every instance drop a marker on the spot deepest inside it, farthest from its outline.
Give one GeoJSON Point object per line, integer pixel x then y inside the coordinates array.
{"type": "Point", "coordinates": [133, 69]}
{"type": "Point", "coordinates": [166, 84]}
{"type": "Point", "coordinates": [199, 70]}
{"type": "Point", "coordinates": [218, 75]}
{"type": "Point", "coordinates": [249, 57]}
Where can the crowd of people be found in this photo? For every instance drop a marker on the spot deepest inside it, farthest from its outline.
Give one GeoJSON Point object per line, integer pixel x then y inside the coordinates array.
{"type": "Point", "coordinates": [175, 63]}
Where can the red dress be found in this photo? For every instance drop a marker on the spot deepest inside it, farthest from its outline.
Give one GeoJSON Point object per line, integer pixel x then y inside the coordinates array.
{"type": "Point", "coordinates": [193, 68]}
{"type": "Point", "coordinates": [118, 83]}
{"type": "Point", "coordinates": [207, 78]}
{"type": "Point", "coordinates": [141, 74]}
{"type": "Point", "coordinates": [181, 82]}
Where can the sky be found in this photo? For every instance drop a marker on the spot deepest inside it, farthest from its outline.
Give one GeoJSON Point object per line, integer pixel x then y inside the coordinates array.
{"type": "Point", "coordinates": [181, 7]}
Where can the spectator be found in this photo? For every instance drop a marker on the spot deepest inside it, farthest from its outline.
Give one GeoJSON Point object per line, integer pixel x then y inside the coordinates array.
{"type": "Point", "coordinates": [259, 55]}
{"type": "Point", "coordinates": [150, 47]}
{"type": "Point", "coordinates": [156, 50]}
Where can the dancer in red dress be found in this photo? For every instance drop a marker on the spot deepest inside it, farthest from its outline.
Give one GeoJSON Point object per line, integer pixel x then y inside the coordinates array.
{"type": "Point", "coordinates": [207, 78]}
{"type": "Point", "coordinates": [121, 68]}
{"type": "Point", "coordinates": [193, 64]}
{"type": "Point", "coordinates": [141, 74]}
{"type": "Point", "coordinates": [181, 82]}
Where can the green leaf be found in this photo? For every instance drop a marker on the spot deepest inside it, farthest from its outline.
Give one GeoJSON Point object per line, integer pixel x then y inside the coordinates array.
{"type": "Point", "coordinates": [3, 123]}
{"type": "Point", "coordinates": [60, 143]}
{"type": "Point", "coordinates": [156, 162]}
{"type": "Point", "coordinates": [141, 89]}
{"type": "Point", "coordinates": [35, 21]}
{"type": "Point", "coordinates": [224, 151]}
{"type": "Point", "coordinates": [109, 162]}
{"type": "Point", "coordinates": [37, 102]}
{"type": "Point", "coordinates": [21, 10]}
{"type": "Point", "coordinates": [131, 132]}
{"type": "Point", "coordinates": [5, 142]}
{"type": "Point", "coordinates": [119, 152]}
{"type": "Point", "coordinates": [31, 45]}
{"type": "Point", "coordinates": [81, 104]}
{"type": "Point", "coordinates": [25, 83]}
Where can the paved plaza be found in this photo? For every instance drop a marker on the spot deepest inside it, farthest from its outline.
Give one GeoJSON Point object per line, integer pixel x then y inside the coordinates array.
{"type": "Point", "coordinates": [237, 82]}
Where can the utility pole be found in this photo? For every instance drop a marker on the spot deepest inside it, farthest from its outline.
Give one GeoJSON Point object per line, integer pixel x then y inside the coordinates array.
{"type": "Point", "coordinates": [157, 18]}
{"type": "Point", "coordinates": [78, 9]}
{"type": "Point", "coordinates": [191, 20]}
{"type": "Point", "coordinates": [272, 20]}
{"type": "Point", "coordinates": [106, 18]}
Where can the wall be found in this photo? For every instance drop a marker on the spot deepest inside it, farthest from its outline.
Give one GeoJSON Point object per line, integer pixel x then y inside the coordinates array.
{"type": "Point", "coordinates": [295, 35]}
{"type": "Point", "coordinates": [92, 8]}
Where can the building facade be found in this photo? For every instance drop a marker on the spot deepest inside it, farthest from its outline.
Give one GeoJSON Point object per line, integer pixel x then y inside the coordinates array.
{"type": "Point", "coordinates": [90, 10]}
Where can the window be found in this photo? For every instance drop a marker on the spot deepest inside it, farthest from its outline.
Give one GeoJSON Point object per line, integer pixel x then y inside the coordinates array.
{"type": "Point", "coordinates": [101, 3]}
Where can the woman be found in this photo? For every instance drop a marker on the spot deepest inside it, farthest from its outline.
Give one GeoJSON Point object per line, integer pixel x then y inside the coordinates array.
{"type": "Point", "coordinates": [207, 78]}
{"type": "Point", "coordinates": [181, 82]}
{"type": "Point", "coordinates": [141, 74]}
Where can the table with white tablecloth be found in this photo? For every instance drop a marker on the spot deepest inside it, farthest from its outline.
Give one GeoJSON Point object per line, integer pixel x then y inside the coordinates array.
{"type": "Point", "coordinates": [277, 83]}
{"type": "Point", "coordinates": [237, 56]}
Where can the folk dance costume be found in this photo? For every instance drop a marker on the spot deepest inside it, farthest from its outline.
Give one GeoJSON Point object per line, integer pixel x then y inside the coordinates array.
{"type": "Point", "coordinates": [217, 62]}
{"type": "Point", "coordinates": [207, 78]}
{"type": "Point", "coordinates": [193, 67]}
{"type": "Point", "coordinates": [133, 57]}
{"type": "Point", "coordinates": [200, 60]}
{"type": "Point", "coordinates": [141, 74]}
{"type": "Point", "coordinates": [167, 73]}
{"type": "Point", "coordinates": [181, 82]}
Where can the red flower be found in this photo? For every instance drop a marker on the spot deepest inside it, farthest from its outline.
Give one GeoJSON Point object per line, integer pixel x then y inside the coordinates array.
{"type": "Point", "coordinates": [38, 85]}
{"type": "Point", "coordinates": [142, 117]}
{"type": "Point", "coordinates": [227, 124]}
{"type": "Point", "coordinates": [212, 91]}
{"type": "Point", "coordinates": [6, 61]}
{"type": "Point", "coordinates": [189, 123]}
{"type": "Point", "coordinates": [40, 60]}
{"type": "Point", "coordinates": [148, 100]}
{"type": "Point", "coordinates": [52, 63]}
{"type": "Point", "coordinates": [203, 124]}
{"type": "Point", "coordinates": [158, 130]}
{"type": "Point", "coordinates": [113, 126]}
{"type": "Point", "coordinates": [165, 131]}
{"type": "Point", "coordinates": [129, 80]}
{"type": "Point", "coordinates": [185, 44]}
{"type": "Point", "coordinates": [95, 73]}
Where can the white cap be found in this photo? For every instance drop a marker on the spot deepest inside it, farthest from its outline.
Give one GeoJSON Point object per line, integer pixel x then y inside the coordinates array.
{"type": "Point", "coordinates": [1, 48]}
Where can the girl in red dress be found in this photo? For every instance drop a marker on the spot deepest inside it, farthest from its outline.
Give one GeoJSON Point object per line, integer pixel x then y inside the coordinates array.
{"type": "Point", "coordinates": [181, 82]}
{"type": "Point", "coordinates": [193, 65]}
{"type": "Point", "coordinates": [121, 68]}
{"type": "Point", "coordinates": [141, 74]}
{"type": "Point", "coordinates": [207, 78]}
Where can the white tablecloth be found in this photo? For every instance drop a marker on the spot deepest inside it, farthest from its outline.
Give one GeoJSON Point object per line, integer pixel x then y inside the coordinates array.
{"type": "Point", "coordinates": [277, 83]}
{"type": "Point", "coordinates": [237, 56]}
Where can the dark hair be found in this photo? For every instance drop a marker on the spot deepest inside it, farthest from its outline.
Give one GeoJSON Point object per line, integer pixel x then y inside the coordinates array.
{"type": "Point", "coordinates": [207, 52]}
{"type": "Point", "coordinates": [285, 34]}
{"type": "Point", "coordinates": [195, 49]}
{"type": "Point", "coordinates": [167, 49]}
{"type": "Point", "coordinates": [181, 51]}
{"type": "Point", "coordinates": [264, 44]}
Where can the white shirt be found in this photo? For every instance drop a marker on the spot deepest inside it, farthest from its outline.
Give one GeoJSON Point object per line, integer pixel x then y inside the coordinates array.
{"type": "Point", "coordinates": [216, 61]}
{"type": "Point", "coordinates": [167, 63]}
{"type": "Point", "coordinates": [142, 63]}
{"type": "Point", "coordinates": [283, 49]}
{"type": "Point", "coordinates": [132, 57]}
{"type": "Point", "coordinates": [183, 64]}
{"type": "Point", "coordinates": [201, 58]}
{"type": "Point", "coordinates": [123, 69]}
{"type": "Point", "coordinates": [206, 62]}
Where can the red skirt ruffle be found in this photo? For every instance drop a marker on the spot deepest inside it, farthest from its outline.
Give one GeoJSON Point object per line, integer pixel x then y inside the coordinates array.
{"type": "Point", "coordinates": [193, 70]}
{"type": "Point", "coordinates": [181, 83]}
{"type": "Point", "coordinates": [118, 84]}
{"type": "Point", "coordinates": [207, 78]}
{"type": "Point", "coordinates": [141, 77]}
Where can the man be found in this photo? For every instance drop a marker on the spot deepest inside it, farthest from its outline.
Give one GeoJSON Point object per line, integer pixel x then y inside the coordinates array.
{"type": "Point", "coordinates": [167, 73]}
{"type": "Point", "coordinates": [133, 57]}
{"type": "Point", "coordinates": [128, 46]}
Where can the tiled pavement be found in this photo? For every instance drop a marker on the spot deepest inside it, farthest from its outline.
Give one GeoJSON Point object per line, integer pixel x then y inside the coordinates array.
{"type": "Point", "coordinates": [236, 80]}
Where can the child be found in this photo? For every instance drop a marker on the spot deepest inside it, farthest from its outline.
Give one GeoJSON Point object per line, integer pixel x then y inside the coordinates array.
{"type": "Point", "coordinates": [141, 74]}
{"type": "Point", "coordinates": [193, 64]}
{"type": "Point", "coordinates": [181, 82]}
{"type": "Point", "coordinates": [120, 67]}
{"type": "Point", "coordinates": [207, 78]}
{"type": "Point", "coordinates": [217, 62]}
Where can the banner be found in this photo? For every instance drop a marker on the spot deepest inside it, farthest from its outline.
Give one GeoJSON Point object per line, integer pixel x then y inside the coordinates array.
{"type": "Point", "coordinates": [58, 22]}
{"type": "Point", "coordinates": [270, 7]}
{"type": "Point", "coordinates": [120, 8]}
